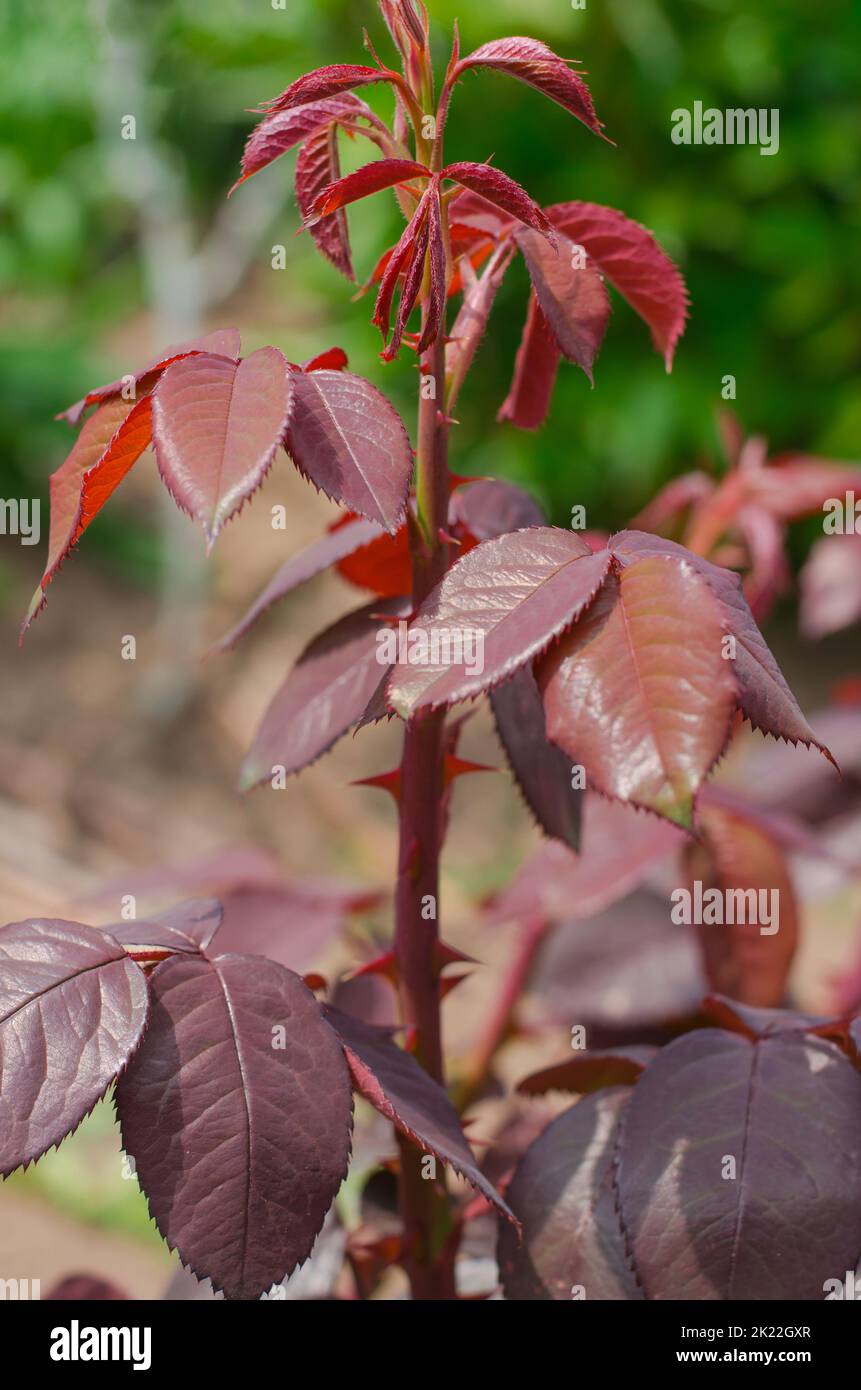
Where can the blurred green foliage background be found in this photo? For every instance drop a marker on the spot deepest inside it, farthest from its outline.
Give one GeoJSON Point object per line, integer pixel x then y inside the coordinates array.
{"type": "Point", "coordinates": [769, 245]}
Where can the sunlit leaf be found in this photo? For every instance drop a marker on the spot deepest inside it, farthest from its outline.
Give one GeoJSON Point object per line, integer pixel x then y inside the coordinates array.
{"type": "Point", "coordinates": [640, 692]}
{"type": "Point", "coordinates": [217, 425]}
{"type": "Point", "coordinates": [508, 598]}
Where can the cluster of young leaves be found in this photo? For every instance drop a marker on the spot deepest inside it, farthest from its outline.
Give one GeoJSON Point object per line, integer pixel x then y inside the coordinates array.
{"type": "Point", "coordinates": [742, 522]}
{"type": "Point", "coordinates": [219, 1061]}
{"type": "Point", "coordinates": [568, 248]}
{"type": "Point", "coordinates": [628, 1195]}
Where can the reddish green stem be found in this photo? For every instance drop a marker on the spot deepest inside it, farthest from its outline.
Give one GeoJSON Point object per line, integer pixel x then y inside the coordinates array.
{"type": "Point", "coordinates": [424, 1206]}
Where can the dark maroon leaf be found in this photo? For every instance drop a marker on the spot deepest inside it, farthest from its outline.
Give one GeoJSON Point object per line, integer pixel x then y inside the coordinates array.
{"type": "Point", "coordinates": [542, 771]}
{"type": "Point", "coordinates": [222, 1114]}
{"type": "Point", "coordinates": [324, 553]}
{"type": "Point", "coordinates": [585, 1072]}
{"type": "Point", "coordinates": [564, 1194]}
{"type": "Point", "coordinates": [345, 436]}
{"type": "Point", "coordinates": [497, 188]}
{"type": "Point", "coordinates": [370, 998]}
{"type": "Point", "coordinates": [318, 166]}
{"type": "Point", "coordinates": [535, 371]}
{"type": "Point", "coordinates": [325, 694]}
{"type": "Point", "coordinates": [787, 1111]}
{"type": "Point", "coordinates": [282, 130]}
{"type": "Point", "coordinates": [283, 923]}
{"type": "Point", "coordinates": [217, 425]}
{"type": "Point", "coordinates": [784, 829]}
{"type": "Point", "coordinates": [764, 697]}
{"type": "Point", "coordinates": [330, 81]}
{"type": "Point", "coordinates": [400, 1089]}
{"type": "Point", "coordinates": [639, 691]}
{"type": "Point", "coordinates": [514, 594]}
{"type": "Point", "coordinates": [571, 295]}
{"type": "Point", "coordinates": [634, 263]}
{"type": "Point", "coordinates": [185, 930]}
{"type": "Point", "coordinates": [533, 62]}
{"type": "Point", "coordinates": [755, 1023]}
{"type": "Point", "coordinates": [73, 1009]}
{"type": "Point", "coordinates": [490, 508]}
